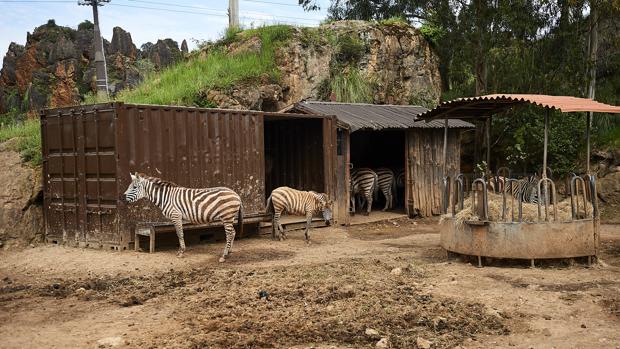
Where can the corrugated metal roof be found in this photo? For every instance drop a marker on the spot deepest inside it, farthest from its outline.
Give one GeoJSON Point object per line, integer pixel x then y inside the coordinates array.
{"type": "Point", "coordinates": [376, 116]}
{"type": "Point", "coordinates": [485, 106]}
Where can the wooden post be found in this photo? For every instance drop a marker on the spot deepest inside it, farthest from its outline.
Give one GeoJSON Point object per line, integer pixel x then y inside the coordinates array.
{"type": "Point", "coordinates": [588, 121]}
{"type": "Point", "coordinates": [445, 146]}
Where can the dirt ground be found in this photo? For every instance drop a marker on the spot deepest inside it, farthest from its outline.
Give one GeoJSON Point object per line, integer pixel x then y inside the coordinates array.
{"type": "Point", "coordinates": [387, 282]}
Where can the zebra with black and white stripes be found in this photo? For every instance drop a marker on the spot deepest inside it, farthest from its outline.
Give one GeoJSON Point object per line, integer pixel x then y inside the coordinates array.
{"type": "Point", "coordinates": [181, 204]}
{"type": "Point", "coordinates": [364, 182]}
{"type": "Point", "coordinates": [524, 189]}
{"type": "Point", "coordinates": [386, 183]}
{"type": "Point", "coordinates": [297, 202]}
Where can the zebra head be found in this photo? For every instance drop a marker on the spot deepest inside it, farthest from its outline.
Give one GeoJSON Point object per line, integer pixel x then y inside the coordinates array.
{"type": "Point", "coordinates": [325, 205]}
{"type": "Point", "coordinates": [136, 190]}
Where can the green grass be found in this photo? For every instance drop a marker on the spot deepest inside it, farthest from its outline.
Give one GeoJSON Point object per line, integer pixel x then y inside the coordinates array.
{"type": "Point", "coordinates": [29, 139]}
{"type": "Point", "coordinates": [181, 84]}
{"type": "Point", "coordinates": [351, 87]}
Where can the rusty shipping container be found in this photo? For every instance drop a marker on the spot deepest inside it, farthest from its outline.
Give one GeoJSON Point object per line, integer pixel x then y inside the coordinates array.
{"type": "Point", "coordinates": [89, 151]}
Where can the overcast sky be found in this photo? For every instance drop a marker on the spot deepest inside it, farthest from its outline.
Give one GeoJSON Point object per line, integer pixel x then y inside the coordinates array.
{"type": "Point", "coordinates": [148, 20]}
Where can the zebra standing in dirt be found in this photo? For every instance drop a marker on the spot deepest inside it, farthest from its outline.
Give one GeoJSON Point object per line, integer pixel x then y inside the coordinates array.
{"type": "Point", "coordinates": [187, 204]}
{"type": "Point", "coordinates": [386, 184]}
{"type": "Point", "coordinates": [364, 182]}
{"type": "Point", "coordinates": [297, 202]}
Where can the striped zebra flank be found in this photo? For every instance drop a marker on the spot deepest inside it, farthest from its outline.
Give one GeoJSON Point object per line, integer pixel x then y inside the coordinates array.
{"type": "Point", "coordinates": [198, 206]}
{"type": "Point", "coordinates": [364, 182]}
{"type": "Point", "coordinates": [525, 189]}
{"type": "Point", "coordinates": [386, 183]}
{"type": "Point", "coordinates": [299, 203]}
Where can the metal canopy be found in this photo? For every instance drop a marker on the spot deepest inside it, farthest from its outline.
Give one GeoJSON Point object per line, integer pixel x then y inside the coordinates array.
{"type": "Point", "coordinates": [485, 106]}
{"type": "Point", "coordinates": [360, 116]}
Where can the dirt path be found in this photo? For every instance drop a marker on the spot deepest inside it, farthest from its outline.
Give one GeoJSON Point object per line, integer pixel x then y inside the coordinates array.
{"type": "Point", "coordinates": [344, 290]}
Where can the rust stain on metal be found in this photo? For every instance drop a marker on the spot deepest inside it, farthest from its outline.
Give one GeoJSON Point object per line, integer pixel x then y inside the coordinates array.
{"type": "Point", "coordinates": [89, 151]}
{"type": "Point", "coordinates": [577, 238]}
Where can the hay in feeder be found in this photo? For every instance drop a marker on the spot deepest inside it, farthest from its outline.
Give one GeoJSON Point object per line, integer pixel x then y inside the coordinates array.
{"type": "Point", "coordinates": [529, 211]}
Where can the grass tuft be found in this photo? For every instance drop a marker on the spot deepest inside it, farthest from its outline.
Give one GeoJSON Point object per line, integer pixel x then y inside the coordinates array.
{"type": "Point", "coordinates": [28, 134]}
{"type": "Point", "coordinates": [182, 83]}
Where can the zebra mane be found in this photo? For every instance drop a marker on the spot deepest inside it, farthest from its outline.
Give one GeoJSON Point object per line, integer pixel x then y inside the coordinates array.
{"type": "Point", "coordinates": [157, 181]}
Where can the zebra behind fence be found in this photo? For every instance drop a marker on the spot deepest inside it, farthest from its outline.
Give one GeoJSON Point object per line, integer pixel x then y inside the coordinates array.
{"type": "Point", "coordinates": [525, 189]}
{"type": "Point", "coordinates": [297, 202]}
{"type": "Point", "coordinates": [364, 182]}
{"type": "Point", "coordinates": [387, 186]}
{"type": "Point", "coordinates": [181, 204]}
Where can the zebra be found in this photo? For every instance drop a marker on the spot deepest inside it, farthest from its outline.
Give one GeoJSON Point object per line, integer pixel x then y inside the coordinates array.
{"type": "Point", "coordinates": [181, 204]}
{"type": "Point", "coordinates": [364, 182]}
{"type": "Point", "coordinates": [399, 193]}
{"type": "Point", "coordinates": [386, 183]}
{"type": "Point", "coordinates": [297, 202]}
{"type": "Point", "coordinates": [525, 189]}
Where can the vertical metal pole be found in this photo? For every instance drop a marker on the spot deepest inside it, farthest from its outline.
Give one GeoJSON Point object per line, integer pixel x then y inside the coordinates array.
{"type": "Point", "coordinates": [588, 121]}
{"type": "Point", "coordinates": [487, 131]}
{"type": "Point", "coordinates": [100, 68]}
{"type": "Point", "coordinates": [445, 147]}
{"type": "Point", "coordinates": [233, 13]}
{"type": "Point", "coordinates": [544, 171]}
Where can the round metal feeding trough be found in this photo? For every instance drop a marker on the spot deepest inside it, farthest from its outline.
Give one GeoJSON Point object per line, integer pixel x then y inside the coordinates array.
{"type": "Point", "coordinates": [571, 234]}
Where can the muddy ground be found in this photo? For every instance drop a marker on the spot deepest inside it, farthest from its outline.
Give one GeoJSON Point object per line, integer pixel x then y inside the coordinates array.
{"type": "Point", "coordinates": [387, 282]}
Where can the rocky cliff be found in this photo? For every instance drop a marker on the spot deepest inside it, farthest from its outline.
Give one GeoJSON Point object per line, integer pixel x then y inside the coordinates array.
{"type": "Point", "coordinates": [56, 66]}
{"type": "Point", "coordinates": [349, 61]}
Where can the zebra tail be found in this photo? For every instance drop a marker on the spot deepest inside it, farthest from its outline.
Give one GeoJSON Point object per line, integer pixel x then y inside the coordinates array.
{"type": "Point", "coordinates": [375, 188]}
{"type": "Point", "coordinates": [269, 207]}
{"type": "Point", "coordinates": [240, 220]}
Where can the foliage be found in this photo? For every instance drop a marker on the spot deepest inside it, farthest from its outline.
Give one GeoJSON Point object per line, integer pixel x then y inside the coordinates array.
{"type": "Point", "coordinates": [349, 49]}
{"type": "Point", "coordinates": [181, 84]}
{"type": "Point", "coordinates": [350, 86]}
{"type": "Point", "coordinates": [516, 47]}
{"type": "Point", "coordinates": [29, 139]}
{"type": "Point", "coordinates": [394, 21]}
{"type": "Point", "coordinates": [86, 25]}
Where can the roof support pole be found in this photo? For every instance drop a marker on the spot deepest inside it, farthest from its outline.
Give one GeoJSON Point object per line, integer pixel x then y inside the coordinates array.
{"type": "Point", "coordinates": [544, 170]}
{"type": "Point", "coordinates": [445, 147]}
{"type": "Point", "coordinates": [588, 121]}
{"type": "Point", "coordinates": [487, 134]}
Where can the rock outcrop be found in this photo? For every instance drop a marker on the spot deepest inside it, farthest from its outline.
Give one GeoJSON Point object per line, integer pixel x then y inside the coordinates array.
{"type": "Point", "coordinates": [21, 215]}
{"type": "Point", "coordinates": [395, 60]}
{"type": "Point", "coordinates": [56, 66]}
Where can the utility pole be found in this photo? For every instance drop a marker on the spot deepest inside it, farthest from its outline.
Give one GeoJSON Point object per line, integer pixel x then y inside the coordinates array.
{"type": "Point", "coordinates": [233, 13]}
{"type": "Point", "coordinates": [100, 67]}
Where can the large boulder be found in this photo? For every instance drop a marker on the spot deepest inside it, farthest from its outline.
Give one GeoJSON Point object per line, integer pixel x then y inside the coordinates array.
{"type": "Point", "coordinates": [163, 53]}
{"type": "Point", "coordinates": [608, 189]}
{"type": "Point", "coordinates": [122, 43]}
{"type": "Point", "coordinates": [21, 215]}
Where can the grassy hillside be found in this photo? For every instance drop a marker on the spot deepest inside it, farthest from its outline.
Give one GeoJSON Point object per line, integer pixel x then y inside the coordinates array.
{"type": "Point", "coordinates": [183, 83]}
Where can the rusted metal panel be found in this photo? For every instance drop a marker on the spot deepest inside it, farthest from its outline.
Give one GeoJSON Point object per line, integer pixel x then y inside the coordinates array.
{"type": "Point", "coordinates": [79, 166]}
{"type": "Point", "coordinates": [375, 116]}
{"type": "Point", "coordinates": [193, 148]}
{"type": "Point", "coordinates": [89, 152]}
{"type": "Point", "coordinates": [521, 240]}
{"type": "Point", "coordinates": [486, 106]}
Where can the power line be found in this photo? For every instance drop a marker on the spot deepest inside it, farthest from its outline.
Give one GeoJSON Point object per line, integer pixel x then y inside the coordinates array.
{"type": "Point", "coordinates": [39, 1]}
{"type": "Point", "coordinates": [177, 5]}
{"type": "Point", "coordinates": [272, 3]}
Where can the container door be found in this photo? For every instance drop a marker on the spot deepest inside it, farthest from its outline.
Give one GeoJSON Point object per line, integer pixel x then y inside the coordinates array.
{"type": "Point", "coordinates": [79, 162]}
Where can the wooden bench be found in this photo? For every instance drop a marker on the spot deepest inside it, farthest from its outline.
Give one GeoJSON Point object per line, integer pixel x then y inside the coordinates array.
{"type": "Point", "coordinates": [150, 229]}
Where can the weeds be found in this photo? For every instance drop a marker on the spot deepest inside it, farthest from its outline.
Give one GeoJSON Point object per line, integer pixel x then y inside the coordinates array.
{"type": "Point", "coordinates": [29, 139]}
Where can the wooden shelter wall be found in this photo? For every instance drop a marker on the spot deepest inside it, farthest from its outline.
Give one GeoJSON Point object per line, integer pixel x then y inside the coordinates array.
{"type": "Point", "coordinates": [425, 168]}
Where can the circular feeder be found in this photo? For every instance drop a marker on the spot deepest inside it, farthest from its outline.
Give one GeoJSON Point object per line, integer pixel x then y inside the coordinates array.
{"type": "Point", "coordinates": [521, 240]}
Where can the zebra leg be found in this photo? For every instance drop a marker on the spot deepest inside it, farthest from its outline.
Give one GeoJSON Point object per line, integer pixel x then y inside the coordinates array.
{"type": "Point", "coordinates": [273, 227]}
{"type": "Point", "coordinates": [230, 237]}
{"type": "Point", "coordinates": [278, 225]}
{"type": "Point", "coordinates": [387, 201]}
{"type": "Point", "coordinates": [178, 226]}
{"type": "Point", "coordinates": [369, 203]}
{"type": "Point", "coordinates": [352, 204]}
{"type": "Point", "coordinates": [308, 222]}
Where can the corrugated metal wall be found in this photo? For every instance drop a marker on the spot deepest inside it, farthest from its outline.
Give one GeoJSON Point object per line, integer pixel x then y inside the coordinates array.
{"type": "Point", "coordinates": [79, 168]}
{"type": "Point", "coordinates": [89, 151]}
